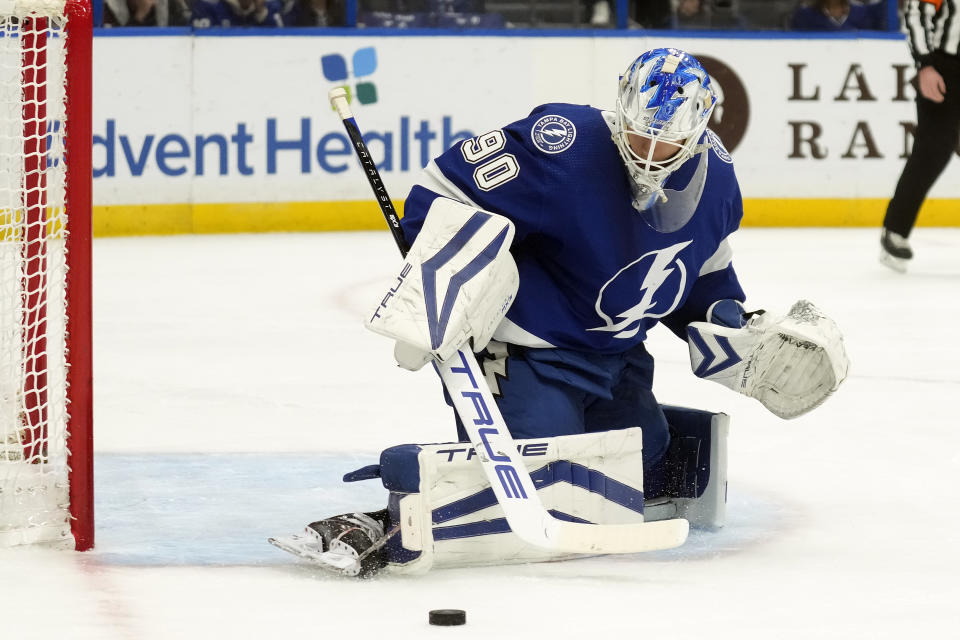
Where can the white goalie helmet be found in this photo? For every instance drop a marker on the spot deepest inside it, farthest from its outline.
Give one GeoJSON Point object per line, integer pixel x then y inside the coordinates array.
{"type": "Point", "coordinates": [663, 105]}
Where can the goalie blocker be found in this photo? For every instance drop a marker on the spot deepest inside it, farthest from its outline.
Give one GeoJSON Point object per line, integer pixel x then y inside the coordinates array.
{"type": "Point", "coordinates": [442, 512]}
{"type": "Point", "coordinates": [455, 286]}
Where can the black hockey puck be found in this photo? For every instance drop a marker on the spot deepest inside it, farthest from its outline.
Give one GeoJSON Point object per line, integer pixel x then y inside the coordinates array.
{"type": "Point", "coordinates": [448, 617]}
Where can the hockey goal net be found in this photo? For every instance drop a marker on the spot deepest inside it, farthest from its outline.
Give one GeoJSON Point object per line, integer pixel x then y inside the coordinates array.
{"type": "Point", "coordinates": [46, 457]}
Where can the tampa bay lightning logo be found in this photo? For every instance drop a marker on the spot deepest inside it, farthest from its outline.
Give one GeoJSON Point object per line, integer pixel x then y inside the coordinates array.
{"type": "Point", "coordinates": [553, 134]}
{"type": "Point", "coordinates": [664, 279]}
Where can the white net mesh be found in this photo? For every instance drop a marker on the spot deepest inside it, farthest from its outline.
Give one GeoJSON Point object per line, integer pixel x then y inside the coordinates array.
{"type": "Point", "coordinates": [33, 225]}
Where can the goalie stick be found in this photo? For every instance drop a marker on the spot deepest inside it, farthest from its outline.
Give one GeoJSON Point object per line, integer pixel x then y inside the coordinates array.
{"type": "Point", "coordinates": [496, 450]}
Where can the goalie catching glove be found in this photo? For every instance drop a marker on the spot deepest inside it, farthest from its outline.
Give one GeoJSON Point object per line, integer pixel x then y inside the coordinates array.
{"type": "Point", "coordinates": [456, 285]}
{"type": "Point", "coordinates": [791, 364]}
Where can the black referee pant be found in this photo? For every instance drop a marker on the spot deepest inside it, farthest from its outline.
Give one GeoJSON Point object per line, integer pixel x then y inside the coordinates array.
{"type": "Point", "coordinates": [938, 133]}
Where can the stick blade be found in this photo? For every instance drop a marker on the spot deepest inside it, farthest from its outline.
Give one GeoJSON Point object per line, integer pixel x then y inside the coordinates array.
{"type": "Point", "coordinates": [575, 537]}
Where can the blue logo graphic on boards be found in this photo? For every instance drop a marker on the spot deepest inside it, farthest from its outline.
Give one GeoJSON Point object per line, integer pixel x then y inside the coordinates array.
{"type": "Point", "coordinates": [305, 146]}
{"type": "Point", "coordinates": [363, 64]}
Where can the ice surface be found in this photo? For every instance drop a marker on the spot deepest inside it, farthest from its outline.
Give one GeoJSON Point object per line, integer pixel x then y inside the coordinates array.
{"type": "Point", "coordinates": [234, 385]}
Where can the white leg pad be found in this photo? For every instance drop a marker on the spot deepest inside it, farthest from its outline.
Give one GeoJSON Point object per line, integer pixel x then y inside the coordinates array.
{"type": "Point", "coordinates": [449, 517]}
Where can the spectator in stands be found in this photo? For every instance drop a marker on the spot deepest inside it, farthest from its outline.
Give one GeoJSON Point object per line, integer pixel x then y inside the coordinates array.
{"type": "Point", "coordinates": [317, 13]}
{"type": "Point", "coordinates": [651, 14]}
{"type": "Point", "coordinates": [644, 14]}
{"type": "Point", "coordinates": [456, 6]}
{"type": "Point", "coordinates": [180, 13]}
{"type": "Point", "coordinates": [461, 14]}
{"type": "Point", "coordinates": [403, 6]}
{"type": "Point", "coordinates": [691, 14]}
{"type": "Point", "coordinates": [237, 13]}
{"type": "Point", "coordinates": [145, 13]}
{"type": "Point", "coordinates": [878, 9]}
{"type": "Point", "coordinates": [767, 14]}
{"type": "Point", "coordinates": [838, 15]}
{"type": "Point", "coordinates": [388, 5]}
{"type": "Point", "coordinates": [725, 14]}
{"type": "Point", "coordinates": [600, 13]}
{"type": "Point", "coordinates": [706, 14]}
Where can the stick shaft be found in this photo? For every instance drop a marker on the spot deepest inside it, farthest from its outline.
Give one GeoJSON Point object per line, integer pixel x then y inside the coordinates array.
{"type": "Point", "coordinates": [338, 98]}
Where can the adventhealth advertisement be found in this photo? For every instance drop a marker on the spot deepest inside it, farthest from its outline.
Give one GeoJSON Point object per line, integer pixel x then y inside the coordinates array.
{"type": "Point", "coordinates": [238, 131]}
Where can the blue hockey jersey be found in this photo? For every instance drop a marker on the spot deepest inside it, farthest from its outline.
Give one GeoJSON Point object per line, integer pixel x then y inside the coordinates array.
{"type": "Point", "coordinates": [594, 276]}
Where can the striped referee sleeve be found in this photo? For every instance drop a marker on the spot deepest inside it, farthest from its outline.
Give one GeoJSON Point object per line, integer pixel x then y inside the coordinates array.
{"type": "Point", "coordinates": [918, 25]}
{"type": "Point", "coordinates": [932, 26]}
{"type": "Point", "coordinates": [947, 34]}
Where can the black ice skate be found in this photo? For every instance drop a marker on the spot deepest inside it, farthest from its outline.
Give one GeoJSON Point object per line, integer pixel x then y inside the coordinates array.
{"type": "Point", "coordinates": [350, 544]}
{"type": "Point", "coordinates": [895, 251]}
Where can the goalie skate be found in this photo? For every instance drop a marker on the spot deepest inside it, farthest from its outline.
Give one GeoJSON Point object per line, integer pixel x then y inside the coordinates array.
{"type": "Point", "coordinates": [348, 545]}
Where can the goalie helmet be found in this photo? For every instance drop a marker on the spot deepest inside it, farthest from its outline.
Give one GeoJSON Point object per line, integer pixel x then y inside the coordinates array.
{"type": "Point", "coordinates": [663, 105]}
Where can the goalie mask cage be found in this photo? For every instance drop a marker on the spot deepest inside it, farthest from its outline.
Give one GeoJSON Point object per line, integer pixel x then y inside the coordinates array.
{"type": "Point", "coordinates": [46, 457]}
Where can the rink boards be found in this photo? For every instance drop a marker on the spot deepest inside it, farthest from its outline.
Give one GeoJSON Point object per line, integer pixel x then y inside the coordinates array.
{"type": "Point", "coordinates": [234, 133]}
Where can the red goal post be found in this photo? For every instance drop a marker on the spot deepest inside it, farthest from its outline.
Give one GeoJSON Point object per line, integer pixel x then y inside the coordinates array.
{"type": "Point", "coordinates": [46, 414]}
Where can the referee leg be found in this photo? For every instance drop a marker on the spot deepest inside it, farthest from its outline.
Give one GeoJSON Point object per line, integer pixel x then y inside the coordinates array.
{"type": "Point", "coordinates": [938, 130]}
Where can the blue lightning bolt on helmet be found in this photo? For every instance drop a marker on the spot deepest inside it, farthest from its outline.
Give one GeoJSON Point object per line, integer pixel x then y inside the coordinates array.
{"type": "Point", "coordinates": [666, 97]}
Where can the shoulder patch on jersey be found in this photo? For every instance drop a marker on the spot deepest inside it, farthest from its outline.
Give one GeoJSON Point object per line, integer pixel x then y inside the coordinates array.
{"type": "Point", "coordinates": [718, 147]}
{"type": "Point", "coordinates": [553, 134]}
